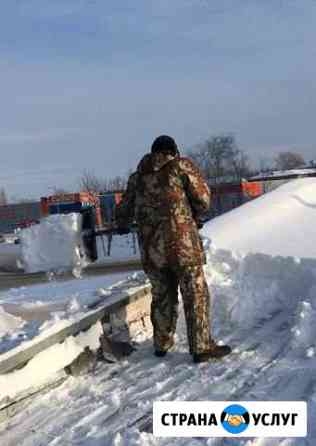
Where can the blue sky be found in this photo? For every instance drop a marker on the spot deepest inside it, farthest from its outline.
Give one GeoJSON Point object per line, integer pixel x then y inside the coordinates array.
{"type": "Point", "coordinates": [90, 83]}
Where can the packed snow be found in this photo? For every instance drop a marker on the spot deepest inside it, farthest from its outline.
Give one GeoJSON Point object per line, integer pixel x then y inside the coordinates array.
{"type": "Point", "coordinates": [264, 305]}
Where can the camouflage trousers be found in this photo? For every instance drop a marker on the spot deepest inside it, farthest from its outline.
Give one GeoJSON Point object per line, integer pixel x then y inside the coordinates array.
{"type": "Point", "coordinates": [164, 307]}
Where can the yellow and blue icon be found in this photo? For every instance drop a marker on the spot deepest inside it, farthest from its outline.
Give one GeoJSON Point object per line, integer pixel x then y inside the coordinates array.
{"type": "Point", "coordinates": [235, 419]}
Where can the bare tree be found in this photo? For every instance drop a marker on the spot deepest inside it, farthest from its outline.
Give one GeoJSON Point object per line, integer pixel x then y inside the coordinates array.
{"type": "Point", "coordinates": [265, 165]}
{"type": "Point", "coordinates": [3, 197]}
{"type": "Point", "coordinates": [289, 160]}
{"type": "Point", "coordinates": [219, 156]}
{"type": "Point", "coordinates": [240, 165]}
{"type": "Point", "coordinates": [89, 182]}
{"type": "Point", "coordinates": [117, 183]}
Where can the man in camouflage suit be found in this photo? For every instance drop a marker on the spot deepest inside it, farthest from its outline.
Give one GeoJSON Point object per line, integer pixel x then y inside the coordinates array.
{"type": "Point", "coordinates": [167, 197]}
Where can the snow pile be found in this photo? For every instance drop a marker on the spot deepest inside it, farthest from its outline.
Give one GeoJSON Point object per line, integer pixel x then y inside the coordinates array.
{"type": "Point", "coordinates": [53, 245]}
{"type": "Point", "coordinates": [250, 290]}
{"type": "Point", "coordinates": [281, 222]}
{"type": "Point", "coordinates": [9, 324]}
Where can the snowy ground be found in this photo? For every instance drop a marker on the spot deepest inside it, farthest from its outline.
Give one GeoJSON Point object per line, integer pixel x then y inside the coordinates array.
{"type": "Point", "coordinates": [264, 305]}
{"type": "Point", "coordinates": [123, 248]}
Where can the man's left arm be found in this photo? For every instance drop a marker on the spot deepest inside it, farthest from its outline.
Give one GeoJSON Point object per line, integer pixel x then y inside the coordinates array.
{"type": "Point", "coordinates": [198, 192]}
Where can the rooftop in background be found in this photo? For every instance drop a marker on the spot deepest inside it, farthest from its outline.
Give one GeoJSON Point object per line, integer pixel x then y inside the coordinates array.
{"type": "Point", "coordinates": [226, 179]}
{"type": "Point", "coordinates": [285, 174]}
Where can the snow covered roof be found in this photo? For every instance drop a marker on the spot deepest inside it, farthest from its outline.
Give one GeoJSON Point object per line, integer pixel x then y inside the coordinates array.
{"type": "Point", "coordinates": [264, 306]}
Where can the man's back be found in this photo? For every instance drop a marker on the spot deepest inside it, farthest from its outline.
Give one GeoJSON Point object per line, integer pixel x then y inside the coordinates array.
{"type": "Point", "coordinates": [169, 196]}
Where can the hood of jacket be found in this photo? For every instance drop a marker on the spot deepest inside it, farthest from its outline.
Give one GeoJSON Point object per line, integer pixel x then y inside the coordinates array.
{"type": "Point", "coordinates": [153, 162]}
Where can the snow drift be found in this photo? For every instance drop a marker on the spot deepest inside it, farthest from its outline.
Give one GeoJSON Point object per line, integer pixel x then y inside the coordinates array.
{"type": "Point", "coordinates": [281, 222]}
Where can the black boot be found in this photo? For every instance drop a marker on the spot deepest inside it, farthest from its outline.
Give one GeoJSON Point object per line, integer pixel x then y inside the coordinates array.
{"type": "Point", "coordinates": [160, 353]}
{"type": "Point", "coordinates": [216, 351]}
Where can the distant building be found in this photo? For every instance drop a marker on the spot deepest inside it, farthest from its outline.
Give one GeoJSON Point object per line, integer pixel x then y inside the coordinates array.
{"type": "Point", "coordinates": [228, 194]}
{"type": "Point", "coordinates": [66, 203]}
{"type": "Point", "coordinates": [272, 180]}
{"type": "Point", "coordinates": [20, 215]}
{"type": "Point", "coordinates": [15, 216]}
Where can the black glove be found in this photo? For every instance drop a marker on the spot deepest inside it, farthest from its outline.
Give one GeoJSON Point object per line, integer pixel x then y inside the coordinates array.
{"type": "Point", "coordinates": [123, 230]}
{"type": "Point", "coordinates": [199, 223]}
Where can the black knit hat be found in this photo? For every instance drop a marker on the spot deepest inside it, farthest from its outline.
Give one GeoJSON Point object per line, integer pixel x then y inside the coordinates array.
{"type": "Point", "coordinates": [165, 144]}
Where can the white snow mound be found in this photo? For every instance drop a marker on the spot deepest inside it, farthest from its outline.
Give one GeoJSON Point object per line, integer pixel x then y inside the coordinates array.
{"type": "Point", "coordinates": [53, 245]}
{"type": "Point", "coordinates": [281, 222]}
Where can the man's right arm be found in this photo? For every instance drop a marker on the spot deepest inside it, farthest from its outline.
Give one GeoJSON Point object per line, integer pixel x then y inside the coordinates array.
{"type": "Point", "coordinates": [125, 212]}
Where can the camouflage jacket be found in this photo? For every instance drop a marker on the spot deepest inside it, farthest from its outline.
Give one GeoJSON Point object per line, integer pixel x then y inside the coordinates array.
{"type": "Point", "coordinates": [167, 196]}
